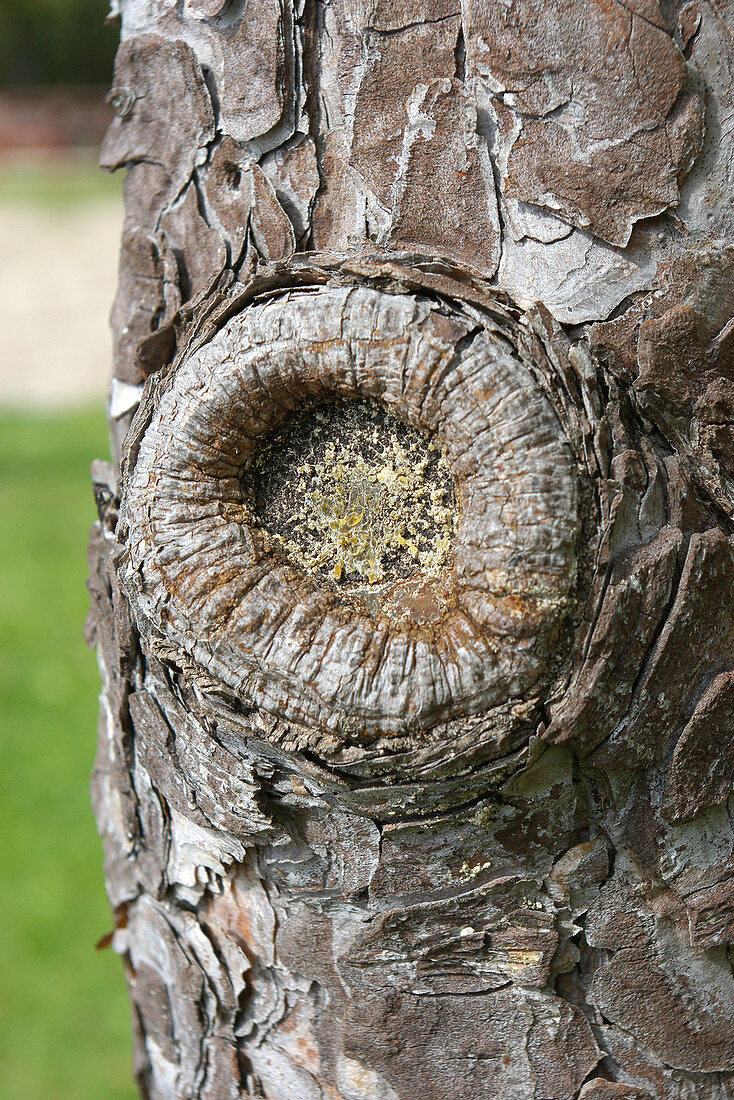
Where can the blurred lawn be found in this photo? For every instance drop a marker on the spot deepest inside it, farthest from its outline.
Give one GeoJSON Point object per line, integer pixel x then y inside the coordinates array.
{"type": "Point", "coordinates": [64, 1027]}
{"type": "Point", "coordinates": [57, 182]}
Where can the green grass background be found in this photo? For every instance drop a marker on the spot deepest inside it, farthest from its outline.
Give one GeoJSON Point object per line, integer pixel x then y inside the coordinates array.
{"type": "Point", "coordinates": [64, 1025]}
{"type": "Point", "coordinates": [57, 184]}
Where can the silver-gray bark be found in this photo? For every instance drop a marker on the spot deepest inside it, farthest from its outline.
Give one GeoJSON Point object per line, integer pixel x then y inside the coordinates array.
{"type": "Point", "coordinates": [411, 585]}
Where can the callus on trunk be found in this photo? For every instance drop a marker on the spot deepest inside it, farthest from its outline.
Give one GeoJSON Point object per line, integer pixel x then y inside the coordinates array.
{"type": "Point", "coordinates": [201, 567]}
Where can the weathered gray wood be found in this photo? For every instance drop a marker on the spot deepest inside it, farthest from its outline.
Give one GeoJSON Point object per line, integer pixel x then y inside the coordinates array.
{"type": "Point", "coordinates": [404, 817]}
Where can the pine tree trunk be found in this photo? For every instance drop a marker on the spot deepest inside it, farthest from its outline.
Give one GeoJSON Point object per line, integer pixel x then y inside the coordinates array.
{"type": "Point", "coordinates": [412, 581]}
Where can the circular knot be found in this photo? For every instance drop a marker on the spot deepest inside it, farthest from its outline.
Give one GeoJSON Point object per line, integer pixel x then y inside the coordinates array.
{"type": "Point", "coordinates": [263, 543]}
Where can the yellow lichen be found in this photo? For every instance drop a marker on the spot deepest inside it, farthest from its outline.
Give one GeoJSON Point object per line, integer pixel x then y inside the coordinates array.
{"type": "Point", "coordinates": [364, 499]}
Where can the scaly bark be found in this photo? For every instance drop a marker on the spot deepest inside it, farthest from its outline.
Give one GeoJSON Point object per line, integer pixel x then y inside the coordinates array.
{"type": "Point", "coordinates": [411, 585]}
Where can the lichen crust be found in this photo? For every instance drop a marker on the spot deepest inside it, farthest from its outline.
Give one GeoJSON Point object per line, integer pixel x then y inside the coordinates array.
{"type": "Point", "coordinates": [357, 651]}
{"type": "Point", "coordinates": [350, 492]}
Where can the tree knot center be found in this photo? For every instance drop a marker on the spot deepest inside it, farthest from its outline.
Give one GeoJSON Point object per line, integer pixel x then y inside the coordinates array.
{"type": "Point", "coordinates": [350, 492]}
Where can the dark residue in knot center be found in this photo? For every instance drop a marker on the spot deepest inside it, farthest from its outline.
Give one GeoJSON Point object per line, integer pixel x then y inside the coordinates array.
{"type": "Point", "coordinates": [353, 494]}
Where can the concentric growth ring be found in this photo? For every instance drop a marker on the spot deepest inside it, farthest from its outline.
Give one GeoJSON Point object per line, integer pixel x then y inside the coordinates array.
{"type": "Point", "coordinates": [201, 568]}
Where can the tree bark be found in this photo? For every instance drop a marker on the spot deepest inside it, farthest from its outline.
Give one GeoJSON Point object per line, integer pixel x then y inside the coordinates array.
{"type": "Point", "coordinates": [411, 583]}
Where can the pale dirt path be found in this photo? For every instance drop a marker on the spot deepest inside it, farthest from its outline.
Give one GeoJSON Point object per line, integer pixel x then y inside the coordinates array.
{"type": "Point", "coordinates": [58, 269]}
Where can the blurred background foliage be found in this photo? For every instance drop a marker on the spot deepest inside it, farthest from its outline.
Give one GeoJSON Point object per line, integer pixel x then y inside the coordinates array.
{"type": "Point", "coordinates": [46, 42]}
{"type": "Point", "coordinates": [64, 1021]}
{"type": "Point", "coordinates": [64, 1017]}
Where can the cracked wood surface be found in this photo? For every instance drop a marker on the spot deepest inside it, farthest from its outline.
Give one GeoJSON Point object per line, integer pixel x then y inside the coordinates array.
{"type": "Point", "coordinates": [467, 835]}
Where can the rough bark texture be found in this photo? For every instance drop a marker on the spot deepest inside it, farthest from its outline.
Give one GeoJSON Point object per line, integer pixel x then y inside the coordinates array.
{"type": "Point", "coordinates": [443, 808]}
